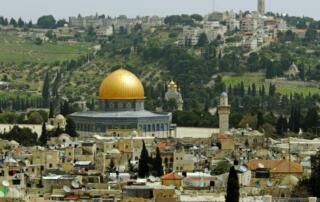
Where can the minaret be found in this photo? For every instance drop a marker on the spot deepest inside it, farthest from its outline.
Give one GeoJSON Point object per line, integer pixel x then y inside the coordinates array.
{"type": "Point", "coordinates": [261, 7]}
{"type": "Point", "coordinates": [224, 112]}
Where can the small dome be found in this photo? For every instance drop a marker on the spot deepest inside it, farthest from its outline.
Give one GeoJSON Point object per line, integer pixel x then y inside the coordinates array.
{"type": "Point", "coordinates": [224, 94]}
{"type": "Point", "coordinates": [172, 84]}
{"type": "Point", "coordinates": [134, 133]}
{"type": "Point", "coordinates": [290, 180]}
{"type": "Point", "coordinates": [114, 151]}
{"type": "Point", "coordinates": [121, 85]}
{"type": "Point", "coordinates": [60, 117]}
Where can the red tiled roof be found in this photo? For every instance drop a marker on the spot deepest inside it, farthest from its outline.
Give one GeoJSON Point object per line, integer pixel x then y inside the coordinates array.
{"type": "Point", "coordinates": [171, 176]}
{"type": "Point", "coordinates": [71, 196]}
{"type": "Point", "coordinates": [162, 145]}
{"type": "Point", "coordinates": [277, 166]}
{"type": "Point", "coordinates": [18, 149]}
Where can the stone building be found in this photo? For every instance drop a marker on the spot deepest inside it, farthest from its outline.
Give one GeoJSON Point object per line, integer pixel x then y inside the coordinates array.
{"type": "Point", "coordinates": [293, 72]}
{"type": "Point", "coordinates": [174, 93]}
{"type": "Point", "coordinates": [121, 97]}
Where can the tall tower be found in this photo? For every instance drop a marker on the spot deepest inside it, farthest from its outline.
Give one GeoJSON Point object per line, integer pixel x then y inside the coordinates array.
{"type": "Point", "coordinates": [224, 112]}
{"type": "Point", "coordinates": [261, 7]}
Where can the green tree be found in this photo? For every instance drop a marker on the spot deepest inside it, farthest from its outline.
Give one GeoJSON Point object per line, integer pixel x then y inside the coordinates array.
{"type": "Point", "coordinates": [35, 117]}
{"type": "Point", "coordinates": [65, 108]}
{"type": "Point", "coordinates": [157, 164]}
{"type": "Point", "coordinates": [24, 136]}
{"type": "Point", "coordinates": [253, 62]}
{"type": "Point", "coordinates": [260, 120]}
{"type": "Point", "coordinates": [44, 135]}
{"type": "Point", "coordinates": [311, 35]}
{"type": "Point", "coordinates": [196, 17]}
{"type": "Point", "coordinates": [46, 22]}
{"type": "Point", "coordinates": [46, 91]}
{"type": "Point", "coordinates": [312, 119]}
{"type": "Point", "coordinates": [61, 23]}
{"type": "Point", "coordinates": [315, 175]}
{"type": "Point", "coordinates": [71, 127]}
{"type": "Point", "coordinates": [50, 34]}
{"type": "Point", "coordinates": [91, 34]}
{"type": "Point", "coordinates": [221, 168]}
{"type": "Point", "coordinates": [13, 22]}
{"type": "Point", "coordinates": [143, 170]}
{"type": "Point", "coordinates": [254, 90]}
{"type": "Point", "coordinates": [281, 125]}
{"type": "Point", "coordinates": [20, 23]}
{"type": "Point", "coordinates": [51, 110]}
{"type": "Point", "coordinates": [233, 186]}
{"type": "Point", "coordinates": [203, 39]}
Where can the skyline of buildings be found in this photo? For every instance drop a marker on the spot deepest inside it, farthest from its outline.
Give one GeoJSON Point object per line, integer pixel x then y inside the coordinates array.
{"type": "Point", "coordinates": [14, 9]}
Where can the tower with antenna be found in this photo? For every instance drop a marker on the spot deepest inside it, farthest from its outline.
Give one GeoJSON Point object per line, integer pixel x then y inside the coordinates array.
{"type": "Point", "coordinates": [213, 5]}
{"type": "Point", "coordinates": [261, 7]}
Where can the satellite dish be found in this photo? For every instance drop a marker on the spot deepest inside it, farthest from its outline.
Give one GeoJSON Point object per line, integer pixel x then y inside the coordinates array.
{"type": "Point", "coordinates": [269, 184]}
{"type": "Point", "coordinates": [66, 189]}
{"type": "Point", "coordinates": [5, 183]}
{"type": "Point", "coordinates": [75, 184]}
{"type": "Point", "coordinates": [152, 179]}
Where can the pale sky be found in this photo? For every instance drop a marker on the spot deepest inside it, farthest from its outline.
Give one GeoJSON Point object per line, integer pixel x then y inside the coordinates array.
{"type": "Point", "coordinates": [32, 9]}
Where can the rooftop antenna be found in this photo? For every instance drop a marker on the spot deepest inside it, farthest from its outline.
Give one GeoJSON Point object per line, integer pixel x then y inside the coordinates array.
{"type": "Point", "coordinates": [213, 5]}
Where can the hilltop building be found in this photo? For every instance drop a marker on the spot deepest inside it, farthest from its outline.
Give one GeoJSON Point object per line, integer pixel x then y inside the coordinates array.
{"type": "Point", "coordinates": [173, 92]}
{"type": "Point", "coordinates": [293, 72]}
{"type": "Point", "coordinates": [121, 97]}
{"type": "Point", "coordinates": [261, 7]}
{"type": "Point", "coordinates": [224, 112]}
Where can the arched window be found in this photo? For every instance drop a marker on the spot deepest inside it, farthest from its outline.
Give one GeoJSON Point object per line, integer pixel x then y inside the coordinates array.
{"type": "Point", "coordinates": [149, 128]}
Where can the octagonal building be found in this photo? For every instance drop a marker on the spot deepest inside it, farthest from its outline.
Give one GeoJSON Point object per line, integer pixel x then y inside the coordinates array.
{"type": "Point", "coordinates": [121, 98]}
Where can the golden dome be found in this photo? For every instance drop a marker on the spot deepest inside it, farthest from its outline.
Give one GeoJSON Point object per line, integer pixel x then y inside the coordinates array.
{"type": "Point", "coordinates": [172, 84]}
{"type": "Point", "coordinates": [121, 85]}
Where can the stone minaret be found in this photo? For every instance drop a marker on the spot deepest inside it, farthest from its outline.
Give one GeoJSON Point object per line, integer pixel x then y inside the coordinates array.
{"type": "Point", "coordinates": [224, 113]}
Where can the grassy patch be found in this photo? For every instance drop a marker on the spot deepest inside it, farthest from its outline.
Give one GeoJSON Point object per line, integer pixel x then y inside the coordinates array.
{"type": "Point", "coordinates": [260, 80]}
{"type": "Point", "coordinates": [18, 49]}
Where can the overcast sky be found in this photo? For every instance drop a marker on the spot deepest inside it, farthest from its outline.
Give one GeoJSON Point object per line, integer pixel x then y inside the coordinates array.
{"type": "Point", "coordinates": [32, 9]}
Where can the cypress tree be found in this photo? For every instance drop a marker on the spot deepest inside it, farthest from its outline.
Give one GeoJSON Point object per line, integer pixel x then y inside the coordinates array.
{"type": "Point", "coordinates": [314, 181]}
{"type": "Point", "coordinates": [157, 164]}
{"type": "Point", "coordinates": [51, 110]}
{"type": "Point", "coordinates": [260, 120]}
{"type": "Point", "coordinates": [233, 186]}
{"type": "Point", "coordinates": [312, 119]}
{"type": "Point", "coordinates": [249, 90]}
{"type": "Point", "coordinates": [46, 91]}
{"type": "Point", "coordinates": [263, 91]}
{"type": "Point", "coordinates": [44, 135]}
{"type": "Point", "coordinates": [65, 108]}
{"type": "Point", "coordinates": [143, 162]}
{"type": "Point", "coordinates": [71, 128]}
{"type": "Point", "coordinates": [242, 90]}
{"type": "Point", "coordinates": [281, 125]}
{"type": "Point", "coordinates": [254, 90]}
